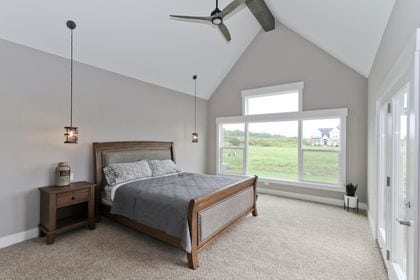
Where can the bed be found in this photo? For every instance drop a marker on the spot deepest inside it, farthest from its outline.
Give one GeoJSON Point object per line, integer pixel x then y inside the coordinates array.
{"type": "Point", "coordinates": [209, 211]}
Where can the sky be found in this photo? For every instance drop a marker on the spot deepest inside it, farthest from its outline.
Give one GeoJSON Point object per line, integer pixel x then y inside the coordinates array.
{"type": "Point", "coordinates": [288, 102]}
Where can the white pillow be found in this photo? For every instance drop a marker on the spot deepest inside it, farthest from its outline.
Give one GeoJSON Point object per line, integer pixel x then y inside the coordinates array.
{"type": "Point", "coordinates": [117, 173]}
{"type": "Point", "coordinates": [163, 167]}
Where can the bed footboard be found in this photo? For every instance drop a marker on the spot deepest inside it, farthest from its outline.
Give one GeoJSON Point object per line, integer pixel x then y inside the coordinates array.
{"type": "Point", "coordinates": [211, 215]}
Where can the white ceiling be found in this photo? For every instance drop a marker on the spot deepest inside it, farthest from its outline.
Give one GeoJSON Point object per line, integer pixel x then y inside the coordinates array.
{"type": "Point", "coordinates": [349, 30]}
{"type": "Point", "coordinates": [137, 38]}
{"type": "Point", "coordinates": [134, 38]}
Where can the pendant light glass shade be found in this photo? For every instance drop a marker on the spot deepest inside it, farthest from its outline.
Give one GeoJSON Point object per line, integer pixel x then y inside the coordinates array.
{"type": "Point", "coordinates": [71, 133]}
{"type": "Point", "coordinates": [195, 137]}
{"type": "Point", "coordinates": [195, 134]}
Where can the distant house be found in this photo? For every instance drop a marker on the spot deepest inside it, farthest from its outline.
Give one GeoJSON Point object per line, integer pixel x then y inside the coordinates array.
{"type": "Point", "coordinates": [326, 137]}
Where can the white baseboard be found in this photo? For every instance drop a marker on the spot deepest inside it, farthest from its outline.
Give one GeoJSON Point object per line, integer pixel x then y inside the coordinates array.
{"type": "Point", "coordinates": [371, 225]}
{"type": "Point", "coordinates": [319, 199]}
{"type": "Point", "coordinates": [18, 237]}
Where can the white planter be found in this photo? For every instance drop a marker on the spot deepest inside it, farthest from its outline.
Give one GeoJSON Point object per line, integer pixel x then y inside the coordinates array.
{"type": "Point", "coordinates": [351, 201]}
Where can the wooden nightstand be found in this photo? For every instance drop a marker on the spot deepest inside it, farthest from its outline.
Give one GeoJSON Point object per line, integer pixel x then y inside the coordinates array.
{"type": "Point", "coordinates": [66, 208]}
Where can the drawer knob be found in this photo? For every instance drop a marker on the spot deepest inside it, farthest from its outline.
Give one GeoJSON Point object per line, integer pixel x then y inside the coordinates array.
{"type": "Point", "coordinates": [73, 198]}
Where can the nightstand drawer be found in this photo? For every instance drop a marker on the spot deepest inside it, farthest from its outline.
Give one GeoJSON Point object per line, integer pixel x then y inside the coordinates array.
{"type": "Point", "coordinates": [69, 198]}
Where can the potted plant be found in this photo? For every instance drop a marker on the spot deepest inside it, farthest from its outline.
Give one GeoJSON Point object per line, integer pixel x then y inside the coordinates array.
{"type": "Point", "coordinates": [350, 198]}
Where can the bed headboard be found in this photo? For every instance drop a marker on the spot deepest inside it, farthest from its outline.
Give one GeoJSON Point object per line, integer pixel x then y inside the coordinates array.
{"type": "Point", "coordinates": [105, 153]}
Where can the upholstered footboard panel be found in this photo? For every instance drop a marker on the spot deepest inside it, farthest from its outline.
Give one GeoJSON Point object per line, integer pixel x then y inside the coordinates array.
{"type": "Point", "coordinates": [215, 217]}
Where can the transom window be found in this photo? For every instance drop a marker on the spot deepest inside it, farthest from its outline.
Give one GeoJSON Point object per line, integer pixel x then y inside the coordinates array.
{"type": "Point", "coordinates": [275, 99]}
{"type": "Point", "coordinates": [302, 148]}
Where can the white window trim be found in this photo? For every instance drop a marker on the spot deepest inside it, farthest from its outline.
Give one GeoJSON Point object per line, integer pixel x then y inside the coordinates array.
{"type": "Point", "coordinates": [291, 116]}
{"type": "Point", "coordinates": [295, 116]}
{"type": "Point", "coordinates": [271, 91]}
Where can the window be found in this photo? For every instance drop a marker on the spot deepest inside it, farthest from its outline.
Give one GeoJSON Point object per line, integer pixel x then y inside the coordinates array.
{"type": "Point", "coordinates": [232, 148]}
{"type": "Point", "coordinates": [273, 149]}
{"type": "Point", "coordinates": [271, 100]}
{"type": "Point", "coordinates": [321, 150]}
{"type": "Point", "coordinates": [295, 148]}
{"type": "Point", "coordinates": [279, 142]}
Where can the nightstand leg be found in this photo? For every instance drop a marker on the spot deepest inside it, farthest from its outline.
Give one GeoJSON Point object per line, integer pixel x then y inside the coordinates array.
{"type": "Point", "coordinates": [50, 238]}
{"type": "Point", "coordinates": [92, 226]}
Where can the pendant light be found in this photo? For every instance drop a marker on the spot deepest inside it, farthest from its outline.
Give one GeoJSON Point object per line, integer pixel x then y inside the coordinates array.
{"type": "Point", "coordinates": [195, 134]}
{"type": "Point", "coordinates": [70, 132]}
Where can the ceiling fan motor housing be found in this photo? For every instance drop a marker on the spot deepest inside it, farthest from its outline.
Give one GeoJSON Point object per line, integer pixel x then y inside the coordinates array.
{"type": "Point", "coordinates": [216, 20]}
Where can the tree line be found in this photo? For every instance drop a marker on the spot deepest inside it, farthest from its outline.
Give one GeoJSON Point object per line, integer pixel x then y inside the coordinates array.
{"type": "Point", "coordinates": [260, 139]}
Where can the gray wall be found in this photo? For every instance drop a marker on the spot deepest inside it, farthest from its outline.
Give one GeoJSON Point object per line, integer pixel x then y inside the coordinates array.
{"type": "Point", "coordinates": [34, 108]}
{"type": "Point", "coordinates": [401, 26]}
{"type": "Point", "coordinates": [282, 56]}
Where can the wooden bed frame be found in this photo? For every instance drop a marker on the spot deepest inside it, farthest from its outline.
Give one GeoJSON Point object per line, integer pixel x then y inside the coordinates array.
{"type": "Point", "coordinates": [195, 206]}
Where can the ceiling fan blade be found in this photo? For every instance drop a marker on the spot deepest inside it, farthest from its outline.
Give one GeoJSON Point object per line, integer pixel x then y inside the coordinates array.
{"type": "Point", "coordinates": [191, 17]}
{"type": "Point", "coordinates": [231, 7]}
{"type": "Point", "coordinates": [225, 31]}
{"type": "Point", "coordinates": [262, 13]}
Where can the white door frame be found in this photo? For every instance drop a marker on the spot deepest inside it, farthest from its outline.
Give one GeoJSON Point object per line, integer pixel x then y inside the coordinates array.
{"type": "Point", "coordinates": [416, 152]}
{"type": "Point", "coordinates": [409, 57]}
{"type": "Point", "coordinates": [384, 170]}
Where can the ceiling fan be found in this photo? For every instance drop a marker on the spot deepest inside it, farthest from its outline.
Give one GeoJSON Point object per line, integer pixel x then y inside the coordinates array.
{"type": "Point", "coordinates": [216, 16]}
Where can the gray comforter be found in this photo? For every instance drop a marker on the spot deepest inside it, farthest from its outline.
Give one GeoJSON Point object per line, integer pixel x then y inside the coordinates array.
{"type": "Point", "coordinates": [162, 202]}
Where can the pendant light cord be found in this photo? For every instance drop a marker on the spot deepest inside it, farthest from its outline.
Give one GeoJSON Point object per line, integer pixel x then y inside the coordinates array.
{"type": "Point", "coordinates": [71, 80]}
{"type": "Point", "coordinates": [195, 105]}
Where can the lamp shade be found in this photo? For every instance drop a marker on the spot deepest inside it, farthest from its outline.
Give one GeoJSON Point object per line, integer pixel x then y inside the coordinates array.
{"type": "Point", "coordinates": [71, 134]}
{"type": "Point", "coordinates": [195, 137]}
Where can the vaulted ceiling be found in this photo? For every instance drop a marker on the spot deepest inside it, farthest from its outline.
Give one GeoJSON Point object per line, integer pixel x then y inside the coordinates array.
{"type": "Point", "coordinates": [137, 38]}
{"type": "Point", "coordinates": [349, 30]}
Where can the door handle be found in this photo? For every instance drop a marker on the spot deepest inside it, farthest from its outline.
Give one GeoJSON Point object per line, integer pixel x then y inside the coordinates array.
{"type": "Point", "coordinates": [404, 222]}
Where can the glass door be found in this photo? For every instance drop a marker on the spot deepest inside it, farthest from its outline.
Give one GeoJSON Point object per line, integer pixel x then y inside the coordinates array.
{"type": "Point", "coordinates": [402, 217]}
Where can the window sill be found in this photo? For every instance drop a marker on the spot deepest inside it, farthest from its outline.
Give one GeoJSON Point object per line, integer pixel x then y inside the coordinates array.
{"type": "Point", "coordinates": [310, 185]}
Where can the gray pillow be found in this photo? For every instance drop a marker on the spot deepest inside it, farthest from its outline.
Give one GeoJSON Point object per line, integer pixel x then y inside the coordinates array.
{"type": "Point", "coordinates": [163, 167]}
{"type": "Point", "coordinates": [117, 173]}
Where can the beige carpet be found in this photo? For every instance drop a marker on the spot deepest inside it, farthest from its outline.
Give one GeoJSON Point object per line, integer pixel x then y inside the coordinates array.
{"type": "Point", "coordinates": [290, 239]}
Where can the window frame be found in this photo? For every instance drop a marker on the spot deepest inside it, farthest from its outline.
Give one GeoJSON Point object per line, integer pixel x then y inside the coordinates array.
{"type": "Point", "coordinates": [272, 91]}
{"type": "Point", "coordinates": [290, 116]}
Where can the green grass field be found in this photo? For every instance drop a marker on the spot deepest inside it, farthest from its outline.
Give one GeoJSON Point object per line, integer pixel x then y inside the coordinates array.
{"type": "Point", "coordinates": [281, 163]}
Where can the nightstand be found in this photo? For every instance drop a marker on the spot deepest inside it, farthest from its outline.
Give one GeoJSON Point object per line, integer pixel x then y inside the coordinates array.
{"type": "Point", "coordinates": [66, 208]}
